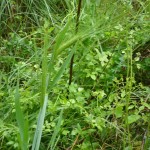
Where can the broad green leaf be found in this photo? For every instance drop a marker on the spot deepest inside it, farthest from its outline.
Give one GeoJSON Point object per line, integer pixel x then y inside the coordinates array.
{"type": "Point", "coordinates": [101, 94]}
{"type": "Point", "coordinates": [131, 107]}
{"type": "Point", "coordinates": [123, 93]}
{"type": "Point", "coordinates": [93, 76]}
{"type": "Point", "coordinates": [118, 111]}
{"type": "Point", "coordinates": [133, 118]}
{"type": "Point", "coordinates": [65, 132]}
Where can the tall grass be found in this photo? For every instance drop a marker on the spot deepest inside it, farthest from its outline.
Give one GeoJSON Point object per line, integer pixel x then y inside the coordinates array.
{"type": "Point", "coordinates": [22, 122]}
{"type": "Point", "coordinates": [100, 25]}
{"type": "Point", "coordinates": [45, 83]}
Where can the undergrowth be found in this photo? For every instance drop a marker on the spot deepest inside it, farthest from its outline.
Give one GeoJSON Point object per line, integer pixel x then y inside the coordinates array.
{"type": "Point", "coordinates": [107, 104]}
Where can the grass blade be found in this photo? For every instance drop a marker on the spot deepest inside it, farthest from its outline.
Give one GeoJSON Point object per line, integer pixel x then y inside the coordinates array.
{"type": "Point", "coordinates": [38, 132]}
{"type": "Point", "coordinates": [62, 69]}
{"type": "Point", "coordinates": [52, 142]}
{"type": "Point", "coordinates": [22, 123]}
{"type": "Point", "coordinates": [60, 37]}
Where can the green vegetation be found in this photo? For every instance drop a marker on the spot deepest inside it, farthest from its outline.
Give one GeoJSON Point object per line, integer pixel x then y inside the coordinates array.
{"type": "Point", "coordinates": [106, 103]}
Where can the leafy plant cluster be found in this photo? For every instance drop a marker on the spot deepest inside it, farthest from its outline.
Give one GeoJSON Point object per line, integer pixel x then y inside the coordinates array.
{"type": "Point", "coordinates": [107, 105]}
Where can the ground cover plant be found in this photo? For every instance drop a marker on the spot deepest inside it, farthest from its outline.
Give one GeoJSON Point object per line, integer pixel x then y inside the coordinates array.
{"type": "Point", "coordinates": [74, 75]}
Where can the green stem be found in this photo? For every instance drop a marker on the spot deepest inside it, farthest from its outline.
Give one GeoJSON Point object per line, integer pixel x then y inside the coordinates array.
{"type": "Point", "coordinates": [128, 92]}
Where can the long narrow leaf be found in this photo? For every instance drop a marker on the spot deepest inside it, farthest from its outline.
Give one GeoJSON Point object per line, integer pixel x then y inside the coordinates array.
{"type": "Point", "coordinates": [56, 131]}
{"type": "Point", "coordinates": [45, 77]}
{"type": "Point", "coordinates": [38, 132]}
{"type": "Point", "coordinates": [22, 123]}
{"type": "Point", "coordinates": [62, 69]}
{"type": "Point", "coordinates": [60, 37]}
{"type": "Point", "coordinates": [70, 42]}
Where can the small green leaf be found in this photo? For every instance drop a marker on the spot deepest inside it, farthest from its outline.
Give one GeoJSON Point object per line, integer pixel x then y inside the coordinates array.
{"type": "Point", "coordinates": [146, 105]}
{"type": "Point", "coordinates": [101, 94]}
{"type": "Point", "coordinates": [118, 111]}
{"type": "Point", "coordinates": [65, 132]}
{"type": "Point", "coordinates": [133, 118]}
{"type": "Point", "coordinates": [93, 77]}
{"type": "Point", "coordinates": [72, 101]}
{"type": "Point", "coordinates": [123, 93]}
{"type": "Point", "coordinates": [131, 107]}
{"type": "Point", "coordinates": [74, 132]}
{"type": "Point", "coordinates": [80, 89]}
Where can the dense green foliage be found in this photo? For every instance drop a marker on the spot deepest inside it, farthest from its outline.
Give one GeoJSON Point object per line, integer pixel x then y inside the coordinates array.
{"type": "Point", "coordinates": [107, 105]}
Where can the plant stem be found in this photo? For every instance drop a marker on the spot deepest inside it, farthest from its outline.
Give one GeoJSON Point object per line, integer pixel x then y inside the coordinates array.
{"type": "Point", "coordinates": [76, 30]}
{"type": "Point", "coordinates": [128, 91]}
